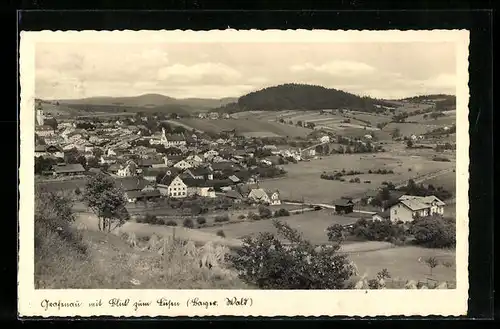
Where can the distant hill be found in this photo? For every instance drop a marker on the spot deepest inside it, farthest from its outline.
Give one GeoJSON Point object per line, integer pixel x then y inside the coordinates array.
{"type": "Point", "coordinates": [442, 101]}
{"type": "Point", "coordinates": [142, 103]}
{"type": "Point", "coordinates": [300, 97]}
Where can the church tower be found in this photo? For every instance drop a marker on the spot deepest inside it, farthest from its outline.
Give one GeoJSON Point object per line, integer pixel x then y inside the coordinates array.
{"type": "Point", "coordinates": [39, 115]}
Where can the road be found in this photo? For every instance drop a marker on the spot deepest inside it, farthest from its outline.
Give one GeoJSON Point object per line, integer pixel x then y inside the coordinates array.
{"type": "Point", "coordinates": [328, 206]}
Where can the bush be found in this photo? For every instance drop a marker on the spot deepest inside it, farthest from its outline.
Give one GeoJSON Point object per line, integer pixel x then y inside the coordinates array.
{"type": "Point", "coordinates": [335, 233]}
{"type": "Point", "coordinates": [434, 232]}
{"type": "Point", "coordinates": [367, 181]}
{"type": "Point", "coordinates": [264, 261]}
{"type": "Point", "coordinates": [241, 217]}
{"type": "Point", "coordinates": [201, 220]}
{"type": "Point", "coordinates": [221, 233]}
{"type": "Point", "coordinates": [265, 212]}
{"type": "Point", "coordinates": [78, 191]}
{"type": "Point", "coordinates": [384, 230]}
{"type": "Point", "coordinates": [253, 216]}
{"type": "Point", "coordinates": [188, 222]}
{"type": "Point", "coordinates": [221, 218]}
{"type": "Point", "coordinates": [171, 222]}
{"type": "Point", "coordinates": [281, 213]}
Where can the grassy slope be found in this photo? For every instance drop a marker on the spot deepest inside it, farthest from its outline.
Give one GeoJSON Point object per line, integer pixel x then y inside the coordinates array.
{"type": "Point", "coordinates": [110, 263]}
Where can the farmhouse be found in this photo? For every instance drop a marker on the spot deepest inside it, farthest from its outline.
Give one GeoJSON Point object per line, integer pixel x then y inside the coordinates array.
{"type": "Point", "coordinates": [63, 169]}
{"type": "Point", "coordinates": [213, 115]}
{"type": "Point", "coordinates": [199, 187]}
{"type": "Point", "coordinates": [234, 196]}
{"type": "Point", "coordinates": [410, 207]}
{"type": "Point", "coordinates": [266, 197]}
{"type": "Point", "coordinates": [345, 206]}
{"type": "Point", "coordinates": [49, 150]}
{"type": "Point", "coordinates": [173, 187]}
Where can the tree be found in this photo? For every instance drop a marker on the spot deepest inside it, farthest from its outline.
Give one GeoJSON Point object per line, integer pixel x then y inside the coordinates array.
{"type": "Point", "coordinates": [432, 263]}
{"type": "Point", "coordinates": [434, 232]}
{"type": "Point", "coordinates": [409, 144]}
{"type": "Point", "coordinates": [107, 201]}
{"type": "Point", "coordinates": [268, 263]}
{"type": "Point", "coordinates": [396, 133]}
{"type": "Point", "coordinates": [265, 212]}
{"type": "Point", "coordinates": [92, 162]}
{"type": "Point", "coordinates": [335, 233]}
{"type": "Point", "coordinates": [188, 222]}
{"type": "Point", "coordinates": [52, 123]}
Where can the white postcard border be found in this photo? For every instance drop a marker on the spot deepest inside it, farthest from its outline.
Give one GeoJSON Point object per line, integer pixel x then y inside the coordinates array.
{"type": "Point", "coordinates": [263, 302]}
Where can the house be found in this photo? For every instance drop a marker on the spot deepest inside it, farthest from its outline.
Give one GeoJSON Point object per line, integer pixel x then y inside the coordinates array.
{"type": "Point", "coordinates": [410, 207]}
{"type": "Point", "coordinates": [234, 196]}
{"type": "Point", "coordinates": [260, 195]}
{"type": "Point", "coordinates": [213, 115]}
{"type": "Point", "coordinates": [324, 139]}
{"type": "Point", "coordinates": [151, 163]}
{"type": "Point", "coordinates": [129, 169]}
{"type": "Point", "coordinates": [204, 173]}
{"type": "Point", "coordinates": [234, 179]}
{"type": "Point", "coordinates": [64, 169]}
{"type": "Point", "coordinates": [344, 206]}
{"type": "Point", "coordinates": [210, 154]}
{"type": "Point", "coordinates": [44, 130]}
{"type": "Point", "coordinates": [182, 165]}
{"type": "Point", "coordinates": [150, 174]}
{"type": "Point", "coordinates": [380, 216]}
{"type": "Point", "coordinates": [173, 141]}
{"type": "Point", "coordinates": [148, 195]}
{"type": "Point", "coordinates": [177, 188]}
{"type": "Point", "coordinates": [199, 187]}
{"type": "Point", "coordinates": [49, 151]}
{"type": "Point", "coordinates": [107, 160]}
{"type": "Point", "coordinates": [201, 116]}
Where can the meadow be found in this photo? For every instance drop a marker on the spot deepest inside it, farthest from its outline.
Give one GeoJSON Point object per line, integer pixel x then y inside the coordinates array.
{"type": "Point", "coordinates": [408, 129]}
{"type": "Point", "coordinates": [405, 263]}
{"type": "Point", "coordinates": [316, 190]}
{"type": "Point", "coordinates": [312, 225]}
{"type": "Point", "coordinates": [248, 125]}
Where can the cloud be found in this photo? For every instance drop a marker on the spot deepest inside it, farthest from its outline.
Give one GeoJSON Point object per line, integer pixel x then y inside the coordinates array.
{"type": "Point", "coordinates": [209, 72]}
{"type": "Point", "coordinates": [337, 67]}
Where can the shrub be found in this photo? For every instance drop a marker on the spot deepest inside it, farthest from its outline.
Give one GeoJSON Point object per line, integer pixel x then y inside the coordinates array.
{"type": "Point", "coordinates": [335, 233]}
{"type": "Point", "coordinates": [371, 230]}
{"type": "Point", "coordinates": [201, 220]}
{"type": "Point", "coordinates": [221, 218]}
{"type": "Point", "coordinates": [149, 219]}
{"type": "Point", "coordinates": [434, 232]}
{"type": "Point", "coordinates": [188, 222]}
{"type": "Point", "coordinates": [241, 217]}
{"type": "Point", "coordinates": [171, 222]}
{"type": "Point", "coordinates": [367, 181]}
{"type": "Point", "coordinates": [265, 212]}
{"type": "Point", "coordinates": [266, 262]}
{"type": "Point", "coordinates": [78, 191]}
{"type": "Point", "coordinates": [253, 216]}
{"type": "Point", "coordinates": [221, 233]}
{"type": "Point", "coordinates": [281, 213]}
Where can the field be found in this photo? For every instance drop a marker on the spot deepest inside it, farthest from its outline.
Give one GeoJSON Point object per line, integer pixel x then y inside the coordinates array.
{"type": "Point", "coordinates": [408, 129]}
{"type": "Point", "coordinates": [314, 189]}
{"type": "Point", "coordinates": [254, 127]}
{"type": "Point", "coordinates": [312, 225]}
{"type": "Point", "coordinates": [405, 263]}
{"type": "Point", "coordinates": [448, 181]}
{"type": "Point", "coordinates": [448, 120]}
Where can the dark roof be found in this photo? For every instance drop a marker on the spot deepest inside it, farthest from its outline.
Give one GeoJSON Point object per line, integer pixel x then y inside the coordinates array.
{"type": "Point", "coordinates": [200, 171]}
{"type": "Point", "coordinates": [191, 182]}
{"type": "Point", "coordinates": [167, 179]}
{"type": "Point", "coordinates": [223, 165]}
{"type": "Point", "coordinates": [68, 168]}
{"type": "Point", "coordinates": [48, 148]}
{"type": "Point", "coordinates": [142, 194]}
{"type": "Point", "coordinates": [344, 203]}
{"type": "Point", "coordinates": [175, 138]}
{"type": "Point", "coordinates": [149, 162]}
{"type": "Point", "coordinates": [384, 214]}
{"type": "Point", "coordinates": [234, 194]}
{"type": "Point", "coordinates": [131, 183]}
{"type": "Point", "coordinates": [152, 171]}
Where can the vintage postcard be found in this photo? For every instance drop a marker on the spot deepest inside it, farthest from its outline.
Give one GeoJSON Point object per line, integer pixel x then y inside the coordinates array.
{"type": "Point", "coordinates": [245, 173]}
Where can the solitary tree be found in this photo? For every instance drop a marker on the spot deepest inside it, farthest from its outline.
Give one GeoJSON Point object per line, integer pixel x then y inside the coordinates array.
{"type": "Point", "coordinates": [106, 201]}
{"type": "Point", "coordinates": [432, 263]}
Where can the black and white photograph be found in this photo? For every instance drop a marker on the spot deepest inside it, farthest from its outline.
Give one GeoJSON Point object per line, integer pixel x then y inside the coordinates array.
{"type": "Point", "coordinates": [244, 163]}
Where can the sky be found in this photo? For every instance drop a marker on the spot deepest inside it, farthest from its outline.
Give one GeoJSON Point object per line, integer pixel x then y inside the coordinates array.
{"type": "Point", "coordinates": [216, 70]}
